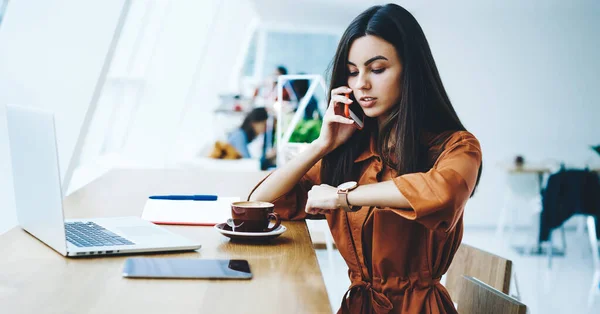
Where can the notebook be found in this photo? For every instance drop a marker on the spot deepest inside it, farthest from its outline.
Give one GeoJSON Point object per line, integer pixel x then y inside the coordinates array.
{"type": "Point", "coordinates": [194, 213]}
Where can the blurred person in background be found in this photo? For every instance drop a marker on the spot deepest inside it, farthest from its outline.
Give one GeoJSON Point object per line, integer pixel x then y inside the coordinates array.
{"type": "Point", "coordinates": [254, 125]}
{"type": "Point", "coordinates": [266, 94]}
{"type": "Point", "coordinates": [311, 110]}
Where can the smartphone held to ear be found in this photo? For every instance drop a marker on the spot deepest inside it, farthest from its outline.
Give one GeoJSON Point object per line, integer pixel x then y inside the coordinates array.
{"type": "Point", "coordinates": [359, 122]}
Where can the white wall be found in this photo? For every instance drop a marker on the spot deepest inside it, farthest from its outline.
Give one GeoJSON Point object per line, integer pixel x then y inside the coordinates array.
{"type": "Point", "coordinates": [524, 80]}
{"type": "Point", "coordinates": [172, 61]}
{"type": "Point", "coordinates": [218, 72]}
{"type": "Point", "coordinates": [51, 56]}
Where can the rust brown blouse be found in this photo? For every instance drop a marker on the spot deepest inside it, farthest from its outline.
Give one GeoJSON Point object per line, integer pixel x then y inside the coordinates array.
{"type": "Point", "coordinates": [396, 256]}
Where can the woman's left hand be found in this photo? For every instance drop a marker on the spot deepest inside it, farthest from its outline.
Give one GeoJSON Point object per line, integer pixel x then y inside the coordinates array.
{"type": "Point", "coordinates": [322, 199]}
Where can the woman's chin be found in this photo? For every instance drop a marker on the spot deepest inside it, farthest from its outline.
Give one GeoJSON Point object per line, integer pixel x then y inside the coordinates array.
{"type": "Point", "coordinates": [372, 112]}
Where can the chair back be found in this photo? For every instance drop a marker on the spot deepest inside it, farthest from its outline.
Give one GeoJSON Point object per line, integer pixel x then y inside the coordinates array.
{"type": "Point", "coordinates": [523, 185]}
{"type": "Point", "coordinates": [470, 261]}
{"type": "Point", "coordinates": [477, 297]}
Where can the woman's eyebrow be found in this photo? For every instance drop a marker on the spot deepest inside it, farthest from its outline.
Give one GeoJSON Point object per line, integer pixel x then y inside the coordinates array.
{"type": "Point", "coordinates": [371, 60]}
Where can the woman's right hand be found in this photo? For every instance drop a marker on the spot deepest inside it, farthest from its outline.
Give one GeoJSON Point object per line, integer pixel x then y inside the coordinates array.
{"type": "Point", "coordinates": [336, 128]}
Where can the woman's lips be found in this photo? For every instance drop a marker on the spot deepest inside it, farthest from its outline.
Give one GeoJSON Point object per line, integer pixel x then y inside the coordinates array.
{"type": "Point", "coordinates": [367, 103]}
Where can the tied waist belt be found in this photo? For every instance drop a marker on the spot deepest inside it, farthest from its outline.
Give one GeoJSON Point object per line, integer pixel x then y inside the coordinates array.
{"type": "Point", "coordinates": [379, 302]}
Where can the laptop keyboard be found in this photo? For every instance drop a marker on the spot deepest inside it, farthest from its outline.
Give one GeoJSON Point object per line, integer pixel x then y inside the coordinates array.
{"type": "Point", "coordinates": [88, 234]}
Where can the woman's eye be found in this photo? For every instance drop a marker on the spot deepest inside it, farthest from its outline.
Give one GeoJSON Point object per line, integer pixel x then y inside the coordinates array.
{"type": "Point", "coordinates": [377, 71]}
{"type": "Point", "coordinates": [352, 73]}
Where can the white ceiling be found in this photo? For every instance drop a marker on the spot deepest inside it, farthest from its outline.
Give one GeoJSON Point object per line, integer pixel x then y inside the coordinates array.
{"type": "Point", "coordinates": [337, 14]}
{"type": "Point", "coordinates": [315, 13]}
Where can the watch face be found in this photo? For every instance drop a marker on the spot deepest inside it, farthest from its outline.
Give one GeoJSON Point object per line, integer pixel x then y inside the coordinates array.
{"type": "Point", "coordinates": [347, 185]}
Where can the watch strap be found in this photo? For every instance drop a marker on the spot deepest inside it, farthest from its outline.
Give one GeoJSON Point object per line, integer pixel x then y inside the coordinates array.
{"type": "Point", "coordinates": [343, 200]}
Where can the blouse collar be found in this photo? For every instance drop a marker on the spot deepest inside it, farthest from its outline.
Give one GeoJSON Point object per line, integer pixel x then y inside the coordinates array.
{"type": "Point", "coordinates": [368, 153]}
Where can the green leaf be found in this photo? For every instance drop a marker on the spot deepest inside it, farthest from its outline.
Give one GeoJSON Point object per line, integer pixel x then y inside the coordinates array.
{"type": "Point", "coordinates": [306, 131]}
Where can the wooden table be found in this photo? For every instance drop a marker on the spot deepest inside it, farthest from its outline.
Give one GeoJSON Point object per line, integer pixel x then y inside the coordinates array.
{"type": "Point", "coordinates": [539, 170]}
{"type": "Point", "coordinates": [36, 279]}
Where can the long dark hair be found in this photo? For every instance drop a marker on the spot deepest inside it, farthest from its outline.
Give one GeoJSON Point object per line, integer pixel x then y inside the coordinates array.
{"type": "Point", "coordinates": [256, 115]}
{"type": "Point", "coordinates": [424, 106]}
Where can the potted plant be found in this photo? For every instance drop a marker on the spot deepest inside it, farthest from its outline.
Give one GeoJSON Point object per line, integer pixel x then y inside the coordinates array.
{"type": "Point", "coordinates": [306, 131]}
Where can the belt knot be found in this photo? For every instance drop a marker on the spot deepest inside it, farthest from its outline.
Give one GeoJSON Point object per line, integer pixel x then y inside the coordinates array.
{"type": "Point", "coordinates": [378, 300]}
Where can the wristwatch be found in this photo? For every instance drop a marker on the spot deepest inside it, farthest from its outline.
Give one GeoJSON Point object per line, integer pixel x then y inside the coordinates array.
{"type": "Point", "coordinates": [343, 190]}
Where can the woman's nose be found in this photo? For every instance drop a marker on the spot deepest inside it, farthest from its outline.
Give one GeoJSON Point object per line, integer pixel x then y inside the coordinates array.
{"type": "Point", "coordinates": [362, 82]}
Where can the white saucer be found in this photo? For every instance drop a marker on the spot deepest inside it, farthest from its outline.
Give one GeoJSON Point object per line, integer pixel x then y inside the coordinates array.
{"type": "Point", "coordinates": [225, 230]}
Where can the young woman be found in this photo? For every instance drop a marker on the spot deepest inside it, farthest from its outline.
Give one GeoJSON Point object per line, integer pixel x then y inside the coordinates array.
{"type": "Point", "coordinates": [394, 192]}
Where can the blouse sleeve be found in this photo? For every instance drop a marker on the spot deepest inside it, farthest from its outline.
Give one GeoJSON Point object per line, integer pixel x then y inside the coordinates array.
{"type": "Point", "coordinates": [290, 206]}
{"type": "Point", "coordinates": [438, 196]}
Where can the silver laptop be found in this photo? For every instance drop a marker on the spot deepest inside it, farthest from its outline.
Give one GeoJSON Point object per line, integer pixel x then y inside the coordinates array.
{"type": "Point", "coordinates": [38, 197]}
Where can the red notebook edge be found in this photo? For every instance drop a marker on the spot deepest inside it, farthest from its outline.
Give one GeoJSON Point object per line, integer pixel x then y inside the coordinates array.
{"type": "Point", "coordinates": [205, 224]}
